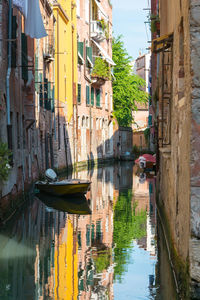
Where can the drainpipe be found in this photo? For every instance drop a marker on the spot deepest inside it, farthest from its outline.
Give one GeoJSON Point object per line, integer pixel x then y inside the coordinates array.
{"type": "Point", "coordinates": [9, 62]}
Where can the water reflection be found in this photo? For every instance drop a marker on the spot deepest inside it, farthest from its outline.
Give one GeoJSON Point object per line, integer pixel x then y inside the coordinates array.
{"type": "Point", "coordinates": [101, 246]}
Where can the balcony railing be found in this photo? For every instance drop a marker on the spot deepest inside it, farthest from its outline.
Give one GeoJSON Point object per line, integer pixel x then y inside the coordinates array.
{"type": "Point", "coordinates": [97, 32]}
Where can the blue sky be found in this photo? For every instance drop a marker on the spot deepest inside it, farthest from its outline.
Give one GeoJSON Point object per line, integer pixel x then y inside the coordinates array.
{"type": "Point", "coordinates": [128, 20]}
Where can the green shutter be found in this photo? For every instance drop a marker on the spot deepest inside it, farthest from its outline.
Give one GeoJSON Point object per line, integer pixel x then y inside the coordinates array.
{"type": "Point", "coordinates": [98, 230]}
{"type": "Point", "coordinates": [24, 57]}
{"type": "Point", "coordinates": [14, 43]}
{"type": "Point", "coordinates": [87, 95]}
{"type": "Point", "coordinates": [89, 54]}
{"type": "Point", "coordinates": [93, 233]}
{"type": "Point", "coordinates": [92, 96]}
{"type": "Point", "coordinates": [52, 100]}
{"type": "Point", "coordinates": [88, 235]}
{"type": "Point", "coordinates": [36, 74]}
{"type": "Point", "coordinates": [41, 90]}
{"type": "Point", "coordinates": [79, 239]}
{"type": "Point", "coordinates": [80, 50]}
{"type": "Point", "coordinates": [98, 97]}
{"type": "Point", "coordinates": [79, 93]}
{"type": "Point", "coordinates": [49, 96]}
{"type": "Point", "coordinates": [45, 93]}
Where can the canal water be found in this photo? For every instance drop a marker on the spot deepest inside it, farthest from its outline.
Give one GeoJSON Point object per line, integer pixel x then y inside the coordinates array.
{"type": "Point", "coordinates": [106, 245]}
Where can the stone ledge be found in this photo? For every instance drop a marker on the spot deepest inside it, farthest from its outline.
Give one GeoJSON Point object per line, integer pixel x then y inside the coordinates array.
{"type": "Point", "coordinates": [195, 259]}
{"type": "Point", "coordinates": [195, 211]}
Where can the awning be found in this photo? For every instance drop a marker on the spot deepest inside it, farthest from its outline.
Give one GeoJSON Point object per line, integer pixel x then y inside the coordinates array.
{"type": "Point", "coordinates": [104, 54]}
{"type": "Point", "coordinates": [101, 9]}
{"type": "Point", "coordinates": [161, 43]}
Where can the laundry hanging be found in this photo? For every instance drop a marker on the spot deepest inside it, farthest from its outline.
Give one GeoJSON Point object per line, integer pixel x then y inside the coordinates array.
{"type": "Point", "coordinates": [34, 26]}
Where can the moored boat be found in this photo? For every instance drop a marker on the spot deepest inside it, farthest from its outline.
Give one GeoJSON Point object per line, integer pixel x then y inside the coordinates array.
{"type": "Point", "coordinates": [146, 161]}
{"type": "Point", "coordinates": [61, 188]}
{"type": "Point", "coordinates": [71, 204]}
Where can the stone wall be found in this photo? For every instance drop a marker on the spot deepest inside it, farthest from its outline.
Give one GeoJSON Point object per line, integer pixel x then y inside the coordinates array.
{"type": "Point", "coordinates": [195, 145]}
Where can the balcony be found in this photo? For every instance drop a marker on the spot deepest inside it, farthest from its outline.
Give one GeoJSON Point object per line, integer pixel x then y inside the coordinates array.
{"type": "Point", "coordinates": [48, 49]}
{"type": "Point", "coordinates": [101, 72]}
{"type": "Point", "coordinates": [97, 31]}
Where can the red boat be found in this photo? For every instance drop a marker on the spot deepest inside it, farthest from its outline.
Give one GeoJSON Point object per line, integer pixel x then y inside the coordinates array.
{"type": "Point", "coordinates": [146, 161]}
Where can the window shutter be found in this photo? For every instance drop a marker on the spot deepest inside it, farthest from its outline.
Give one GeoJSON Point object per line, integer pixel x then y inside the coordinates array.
{"type": "Point", "coordinates": [49, 96]}
{"type": "Point", "coordinates": [92, 96]}
{"type": "Point", "coordinates": [80, 51]}
{"type": "Point", "coordinates": [87, 95]}
{"type": "Point", "coordinates": [24, 57]}
{"type": "Point", "coordinates": [89, 54]}
{"type": "Point", "coordinates": [41, 90]}
{"type": "Point", "coordinates": [14, 43]}
{"type": "Point", "coordinates": [45, 93]}
{"type": "Point", "coordinates": [79, 93]}
{"type": "Point", "coordinates": [98, 97]}
{"type": "Point", "coordinates": [36, 74]}
{"type": "Point", "coordinates": [150, 120]}
{"type": "Point", "coordinates": [52, 101]}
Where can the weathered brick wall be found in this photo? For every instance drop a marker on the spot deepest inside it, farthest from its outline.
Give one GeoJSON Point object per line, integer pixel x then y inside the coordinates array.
{"type": "Point", "coordinates": [180, 162]}
{"type": "Point", "coordinates": [195, 141]}
{"type": "Point", "coordinates": [175, 158]}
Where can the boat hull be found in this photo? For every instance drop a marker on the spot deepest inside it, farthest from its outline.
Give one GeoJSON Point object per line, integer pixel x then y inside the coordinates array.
{"type": "Point", "coordinates": [63, 189]}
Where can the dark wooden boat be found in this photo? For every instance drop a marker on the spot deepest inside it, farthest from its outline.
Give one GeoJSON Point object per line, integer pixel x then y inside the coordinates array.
{"type": "Point", "coordinates": [70, 204]}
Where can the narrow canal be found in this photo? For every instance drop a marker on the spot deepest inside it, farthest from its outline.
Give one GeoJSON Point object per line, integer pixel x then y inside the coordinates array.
{"type": "Point", "coordinates": [107, 245]}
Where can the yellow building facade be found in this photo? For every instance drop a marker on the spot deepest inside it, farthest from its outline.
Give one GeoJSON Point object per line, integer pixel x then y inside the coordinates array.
{"type": "Point", "coordinates": [65, 56]}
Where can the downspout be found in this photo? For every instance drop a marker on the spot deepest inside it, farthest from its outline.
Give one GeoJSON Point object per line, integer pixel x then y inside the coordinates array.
{"type": "Point", "coordinates": [9, 62]}
{"type": "Point", "coordinates": [90, 16]}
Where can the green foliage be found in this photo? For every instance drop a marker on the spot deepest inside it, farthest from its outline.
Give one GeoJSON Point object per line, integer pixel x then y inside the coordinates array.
{"type": "Point", "coordinates": [154, 20]}
{"type": "Point", "coordinates": [128, 225]}
{"type": "Point", "coordinates": [147, 135]}
{"type": "Point", "coordinates": [4, 161]}
{"type": "Point", "coordinates": [105, 27]}
{"type": "Point", "coordinates": [101, 69]}
{"type": "Point", "coordinates": [127, 87]}
{"type": "Point", "coordinates": [102, 260]}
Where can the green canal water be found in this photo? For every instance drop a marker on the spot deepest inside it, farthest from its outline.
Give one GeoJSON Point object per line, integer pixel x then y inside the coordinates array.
{"type": "Point", "coordinates": [106, 245]}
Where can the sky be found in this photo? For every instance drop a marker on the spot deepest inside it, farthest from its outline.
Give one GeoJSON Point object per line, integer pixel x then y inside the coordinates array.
{"type": "Point", "coordinates": [128, 20]}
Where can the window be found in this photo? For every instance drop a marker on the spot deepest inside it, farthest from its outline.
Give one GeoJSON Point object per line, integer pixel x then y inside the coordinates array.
{"type": "Point", "coordinates": [79, 122]}
{"type": "Point", "coordinates": [78, 8]}
{"type": "Point", "coordinates": [97, 123]}
{"type": "Point", "coordinates": [87, 122]}
{"type": "Point", "coordinates": [92, 96]}
{"type": "Point", "coordinates": [87, 95]}
{"type": "Point", "coordinates": [83, 121]}
{"type": "Point", "coordinates": [111, 102]}
{"type": "Point", "coordinates": [87, 11]}
{"type": "Point", "coordinates": [79, 93]}
{"type": "Point", "coordinates": [106, 101]}
{"type": "Point", "coordinates": [181, 75]}
{"type": "Point", "coordinates": [98, 97]}
{"type": "Point", "coordinates": [24, 57]}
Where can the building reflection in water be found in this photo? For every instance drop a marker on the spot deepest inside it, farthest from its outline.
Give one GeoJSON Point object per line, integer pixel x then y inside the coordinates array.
{"type": "Point", "coordinates": [49, 254]}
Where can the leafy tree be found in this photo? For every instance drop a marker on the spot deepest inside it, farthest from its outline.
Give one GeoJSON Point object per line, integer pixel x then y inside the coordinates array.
{"type": "Point", "coordinates": [4, 161]}
{"type": "Point", "coordinates": [128, 225]}
{"type": "Point", "coordinates": [127, 87]}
